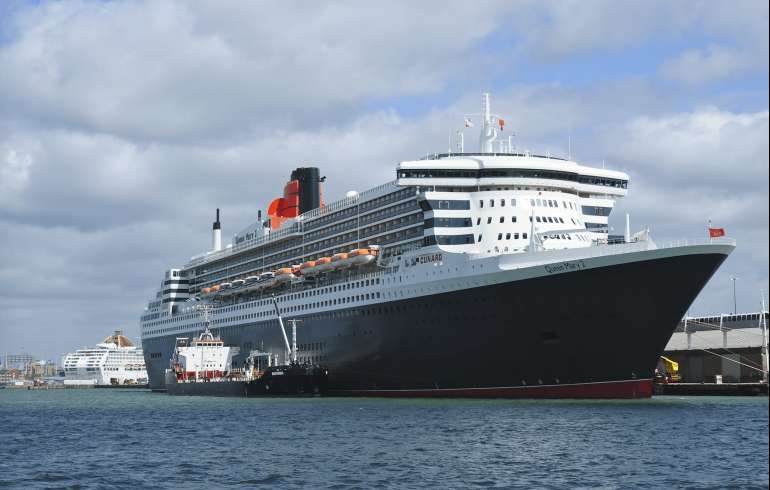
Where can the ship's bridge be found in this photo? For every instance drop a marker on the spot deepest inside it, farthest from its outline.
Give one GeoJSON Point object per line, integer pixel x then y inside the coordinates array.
{"type": "Point", "coordinates": [476, 171]}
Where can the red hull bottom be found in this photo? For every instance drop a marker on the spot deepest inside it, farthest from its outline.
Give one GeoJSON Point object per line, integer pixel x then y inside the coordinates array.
{"type": "Point", "coordinates": [635, 388]}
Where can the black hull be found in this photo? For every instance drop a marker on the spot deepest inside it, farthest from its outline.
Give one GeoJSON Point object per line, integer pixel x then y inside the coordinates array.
{"type": "Point", "coordinates": [605, 324]}
{"type": "Point", "coordinates": [290, 381]}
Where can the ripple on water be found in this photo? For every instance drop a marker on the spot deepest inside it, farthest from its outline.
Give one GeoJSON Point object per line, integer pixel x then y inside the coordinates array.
{"type": "Point", "coordinates": [103, 439]}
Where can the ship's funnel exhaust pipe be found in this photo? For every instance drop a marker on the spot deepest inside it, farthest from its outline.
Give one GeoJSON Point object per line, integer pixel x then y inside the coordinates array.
{"type": "Point", "coordinates": [216, 238]}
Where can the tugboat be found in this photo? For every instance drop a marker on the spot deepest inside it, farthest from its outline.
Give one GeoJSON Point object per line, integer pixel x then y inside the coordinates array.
{"type": "Point", "coordinates": [205, 367]}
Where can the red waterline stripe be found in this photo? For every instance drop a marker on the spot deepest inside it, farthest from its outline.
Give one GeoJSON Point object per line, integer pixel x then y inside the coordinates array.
{"type": "Point", "coordinates": [636, 388]}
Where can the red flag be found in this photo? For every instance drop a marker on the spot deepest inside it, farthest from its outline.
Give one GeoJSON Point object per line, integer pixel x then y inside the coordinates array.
{"type": "Point", "coordinates": [716, 232]}
{"type": "Point", "coordinates": [501, 122]}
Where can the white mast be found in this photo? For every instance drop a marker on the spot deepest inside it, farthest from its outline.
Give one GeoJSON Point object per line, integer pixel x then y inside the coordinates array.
{"type": "Point", "coordinates": [488, 129]}
{"type": "Point", "coordinates": [283, 330]}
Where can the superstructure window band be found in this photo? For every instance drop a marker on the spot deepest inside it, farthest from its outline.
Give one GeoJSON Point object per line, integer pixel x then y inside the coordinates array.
{"type": "Point", "coordinates": [448, 204]}
{"type": "Point", "coordinates": [513, 173]}
{"type": "Point", "coordinates": [448, 240]}
{"type": "Point", "coordinates": [448, 222]}
{"type": "Point", "coordinates": [596, 211]}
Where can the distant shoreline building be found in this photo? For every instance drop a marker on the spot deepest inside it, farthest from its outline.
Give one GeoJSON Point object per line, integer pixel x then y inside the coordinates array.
{"type": "Point", "coordinates": [18, 361]}
{"type": "Point", "coordinates": [114, 361]}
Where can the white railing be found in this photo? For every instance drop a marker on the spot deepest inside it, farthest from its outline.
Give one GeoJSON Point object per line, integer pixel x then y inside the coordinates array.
{"type": "Point", "coordinates": [612, 249]}
{"type": "Point", "coordinates": [349, 201]}
{"type": "Point", "coordinates": [526, 259]}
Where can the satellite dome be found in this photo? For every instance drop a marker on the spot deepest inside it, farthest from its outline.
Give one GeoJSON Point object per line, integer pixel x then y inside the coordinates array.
{"type": "Point", "coordinates": [352, 194]}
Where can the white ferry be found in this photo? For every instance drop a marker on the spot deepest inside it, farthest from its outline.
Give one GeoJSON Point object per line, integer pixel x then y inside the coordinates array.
{"type": "Point", "coordinates": [114, 361]}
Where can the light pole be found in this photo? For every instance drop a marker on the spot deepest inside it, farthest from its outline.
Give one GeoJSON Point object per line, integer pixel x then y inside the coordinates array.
{"type": "Point", "coordinates": [735, 302]}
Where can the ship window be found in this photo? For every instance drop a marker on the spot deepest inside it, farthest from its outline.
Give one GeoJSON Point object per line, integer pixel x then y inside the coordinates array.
{"type": "Point", "coordinates": [478, 221]}
{"type": "Point", "coordinates": [481, 203]}
{"type": "Point", "coordinates": [515, 236]}
{"type": "Point", "coordinates": [499, 236]}
{"type": "Point", "coordinates": [489, 220]}
{"type": "Point", "coordinates": [502, 219]}
{"type": "Point", "coordinates": [513, 202]}
{"type": "Point", "coordinates": [479, 238]}
{"type": "Point", "coordinates": [523, 235]}
{"type": "Point", "coordinates": [513, 219]}
{"type": "Point", "coordinates": [502, 202]}
{"type": "Point", "coordinates": [491, 203]}
{"type": "Point", "coordinates": [537, 218]}
{"type": "Point", "coordinates": [507, 236]}
{"type": "Point", "coordinates": [550, 220]}
{"type": "Point", "coordinates": [532, 202]}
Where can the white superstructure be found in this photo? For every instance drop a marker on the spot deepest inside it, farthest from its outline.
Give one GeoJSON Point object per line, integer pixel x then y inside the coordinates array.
{"type": "Point", "coordinates": [205, 357]}
{"type": "Point", "coordinates": [114, 361]}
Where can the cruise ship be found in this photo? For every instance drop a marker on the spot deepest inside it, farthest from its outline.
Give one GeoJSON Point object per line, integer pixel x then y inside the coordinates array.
{"type": "Point", "coordinates": [113, 361]}
{"type": "Point", "coordinates": [472, 274]}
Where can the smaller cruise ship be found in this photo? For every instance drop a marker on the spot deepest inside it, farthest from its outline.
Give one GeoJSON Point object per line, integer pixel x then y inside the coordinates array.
{"type": "Point", "coordinates": [114, 361]}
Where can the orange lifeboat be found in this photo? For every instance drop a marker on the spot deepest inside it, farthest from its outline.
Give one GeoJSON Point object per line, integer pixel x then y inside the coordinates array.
{"type": "Point", "coordinates": [214, 288]}
{"type": "Point", "coordinates": [324, 264]}
{"type": "Point", "coordinates": [308, 268]}
{"type": "Point", "coordinates": [205, 290]}
{"type": "Point", "coordinates": [284, 275]}
{"type": "Point", "coordinates": [362, 256]}
{"type": "Point", "coordinates": [340, 261]}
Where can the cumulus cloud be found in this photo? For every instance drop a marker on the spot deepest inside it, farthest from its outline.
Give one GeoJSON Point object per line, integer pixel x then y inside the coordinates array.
{"type": "Point", "coordinates": [14, 175]}
{"type": "Point", "coordinates": [200, 71]}
{"type": "Point", "coordinates": [705, 147]}
{"type": "Point", "coordinates": [574, 27]}
{"type": "Point", "coordinates": [696, 66]}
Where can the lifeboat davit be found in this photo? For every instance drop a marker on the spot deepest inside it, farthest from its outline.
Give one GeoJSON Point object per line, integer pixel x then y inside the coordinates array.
{"type": "Point", "coordinates": [238, 283]}
{"type": "Point", "coordinates": [324, 264]}
{"type": "Point", "coordinates": [308, 268]}
{"type": "Point", "coordinates": [340, 261]}
{"type": "Point", "coordinates": [284, 275]}
{"type": "Point", "coordinates": [266, 280]}
{"type": "Point", "coordinates": [362, 256]}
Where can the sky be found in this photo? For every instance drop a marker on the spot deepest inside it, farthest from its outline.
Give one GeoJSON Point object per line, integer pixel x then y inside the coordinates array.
{"type": "Point", "coordinates": [123, 125]}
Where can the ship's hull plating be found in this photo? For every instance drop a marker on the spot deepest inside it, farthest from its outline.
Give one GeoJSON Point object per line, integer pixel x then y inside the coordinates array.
{"type": "Point", "coordinates": [291, 381]}
{"type": "Point", "coordinates": [596, 332]}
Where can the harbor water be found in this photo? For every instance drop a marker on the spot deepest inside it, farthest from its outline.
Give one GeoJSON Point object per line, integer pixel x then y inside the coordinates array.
{"type": "Point", "coordinates": [138, 439]}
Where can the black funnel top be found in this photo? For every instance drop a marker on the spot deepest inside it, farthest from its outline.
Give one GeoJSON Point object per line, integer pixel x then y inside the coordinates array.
{"type": "Point", "coordinates": [309, 179]}
{"type": "Point", "coordinates": [217, 225]}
